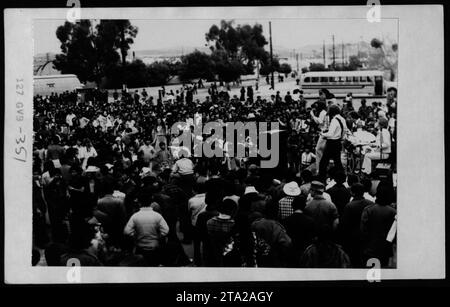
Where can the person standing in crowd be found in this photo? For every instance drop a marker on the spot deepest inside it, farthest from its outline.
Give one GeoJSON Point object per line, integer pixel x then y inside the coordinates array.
{"type": "Point", "coordinates": [300, 228]}
{"type": "Point", "coordinates": [197, 205]}
{"type": "Point", "coordinates": [291, 190]}
{"type": "Point", "coordinates": [350, 225]}
{"type": "Point", "coordinates": [324, 252]}
{"type": "Point", "coordinates": [322, 211]}
{"type": "Point", "coordinates": [111, 212]}
{"type": "Point", "coordinates": [319, 115]}
{"type": "Point", "coordinates": [333, 145]}
{"type": "Point", "coordinates": [376, 221]}
{"type": "Point", "coordinates": [271, 242]}
{"type": "Point", "coordinates": [149, 230]}
{"type": "Point", "coordinates": [221, 230]}
{"type": "Point", "coordinates": [340, 195]}
{"type": "Point", "coordinates": [81, 248]}
{"type": "Point", "coordinates": [146, 151]}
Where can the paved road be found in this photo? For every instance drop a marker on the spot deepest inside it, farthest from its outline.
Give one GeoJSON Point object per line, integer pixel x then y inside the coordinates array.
{"type": "Point", "coordinates": [288, 85]}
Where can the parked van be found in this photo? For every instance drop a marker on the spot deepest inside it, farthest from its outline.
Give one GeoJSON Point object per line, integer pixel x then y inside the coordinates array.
{"type": "Point", "coordinates": [45, 85]}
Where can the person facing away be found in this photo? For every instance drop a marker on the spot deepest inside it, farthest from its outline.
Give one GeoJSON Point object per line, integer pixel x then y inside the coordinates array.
{"type": "Point", "coordinates": [350, 224]}
{"type": "Point", "coordinates": [340, 195]}
{"type": "Point", "coordinates": [111, 212]}
{"type": "Point", "coordinates": [322, 211]}
{"type": "Point", "coordinates": [271, 242]}
{"type": "Point", "coordinates": [324, 252]}
{"type": "Point", "coordinates": [376, 221]}
{"type": "Point", "coordinates": [149, 228]}
{"type": "Point", "coordinates": [300, 228]}
{"type": "Point", "coordinates": [221, 230]}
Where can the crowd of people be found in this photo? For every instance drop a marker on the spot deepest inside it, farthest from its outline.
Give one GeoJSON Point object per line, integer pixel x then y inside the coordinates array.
{"type": "Point", "coordinates": [109, 190]}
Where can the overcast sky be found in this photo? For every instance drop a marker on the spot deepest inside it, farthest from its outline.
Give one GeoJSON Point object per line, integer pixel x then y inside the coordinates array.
{"type": "Point", "coordinates": [288, 33]}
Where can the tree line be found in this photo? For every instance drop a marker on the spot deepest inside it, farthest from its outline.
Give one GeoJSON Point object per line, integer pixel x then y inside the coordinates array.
{"type": "Point", "coordinates": [97, 52]}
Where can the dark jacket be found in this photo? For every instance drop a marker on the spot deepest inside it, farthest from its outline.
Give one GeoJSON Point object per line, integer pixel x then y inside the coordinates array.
{"type": "Point", "coordinates": [376, 221]}
{"type": "Point", "coordinates": [300, 228]}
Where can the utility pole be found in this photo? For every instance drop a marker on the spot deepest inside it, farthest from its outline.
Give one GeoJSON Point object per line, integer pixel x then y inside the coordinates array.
{"type": "Point", "coordinates": [334, 55]}
{"type": "Point", "coordinates": [343, 58]}
{"type": "Point", "coordinates": [296, 58]}
{"type": "Point", "coordinates": [272, 81]}
{"type": "Point", "coordinates": [323, 54]}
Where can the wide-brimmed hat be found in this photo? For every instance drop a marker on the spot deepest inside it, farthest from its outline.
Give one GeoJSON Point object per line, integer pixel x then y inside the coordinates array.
{"type": "Point", "coordinates": [250, 189]}
{"type": "Point", "coordinates": [317, 186]}
{"type": "Point", "coordinates": [92, 169]}
{"type": "Point", "coordinates": [291, 189]}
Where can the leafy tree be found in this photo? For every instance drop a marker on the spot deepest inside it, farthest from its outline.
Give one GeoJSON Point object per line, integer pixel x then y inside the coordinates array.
{"type": "Point", "coordinates": [317, 67]}
{"type": "Point", "coordinates": [354, 63]}
{"type": "Point", "coordinates": [80, 54]}
{"type": "Point", "coordinates": [92, 52]}
{"type": "Point", "coordinates": [285, 68]}
{"type": "Point", "coordinates": [159, 73]}
{"type": "Point", "coordinates": [384, 57]}
{"type": "Point", "coordinates": [196, 65]}
{"type": "Point", "coordinates": [267, 68]}
{"type": "Point", "coordinates": [243, 43]}
{"type": "Point", "coordinates": [120, 32]}
{"type": "Point", "coordinates": [227, 69]}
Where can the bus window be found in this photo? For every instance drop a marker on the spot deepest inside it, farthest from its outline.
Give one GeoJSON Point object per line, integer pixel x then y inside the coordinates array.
{"type": "Point", "coordinates": [315, 79]}
{"type": "Point", "coordinates": [349, 79]}
{"type": "Point", "coordinates": [355, 79]}
{"type": "Point", "coordinates": [307, 80]}
{"type": "Point", "coordinates": [341, 79]}
{"type": "Point", "coordinates": [324, 79]}
{"type": "Point", "coordinates": [369, 79]}
{"type": "Point", "coordinates": [363, 79]}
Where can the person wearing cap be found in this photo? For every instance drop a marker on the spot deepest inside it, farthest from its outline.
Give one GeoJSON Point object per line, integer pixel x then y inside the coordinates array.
{"type": "Point", "coordinates": [221, 230]}
{"type": "Point", "coordinates": [285, 209]}
{"type": "Point", "coordinates": [321, 210]}
{"type": "Point", "coordinates": [381, 149]}
{"type": "Point", "coordinates": [333, 146]}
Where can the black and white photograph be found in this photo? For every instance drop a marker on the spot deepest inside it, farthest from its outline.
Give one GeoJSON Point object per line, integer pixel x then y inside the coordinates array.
{"type": "Point", "coordinates": [164, 140]}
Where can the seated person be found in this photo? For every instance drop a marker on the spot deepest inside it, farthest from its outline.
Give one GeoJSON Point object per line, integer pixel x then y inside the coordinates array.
{"type": "Point", "coordinates": [380, 149]}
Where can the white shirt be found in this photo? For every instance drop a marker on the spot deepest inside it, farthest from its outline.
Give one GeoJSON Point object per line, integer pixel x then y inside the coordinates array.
{"type": "Point", "coordinates": [335, 131]}
{"type": "Point", "coordinates": [385, 137]}
{"type": "Point", "coordinates": [307, 157]}
{"type": "Point", "coordinates": [183, 166]}
{"type": "Point", "coordinates": [319, 120]}
{"type": "Point", "coordinates": [196, 206]}
{"type": "Point", "coordinates": [69, 119]}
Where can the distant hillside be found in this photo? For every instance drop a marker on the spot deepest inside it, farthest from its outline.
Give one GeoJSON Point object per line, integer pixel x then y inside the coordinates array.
{"type": "Point", "coordinates": [307, 51]}
{"type": "Point", "coordinates": [169, 52]}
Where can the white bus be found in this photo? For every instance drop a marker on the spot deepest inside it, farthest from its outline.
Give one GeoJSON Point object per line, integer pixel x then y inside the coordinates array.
{"type": "Point", "coordinates": [340, 83]}
{"type": "Point", "coordinates": [45, 85]}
